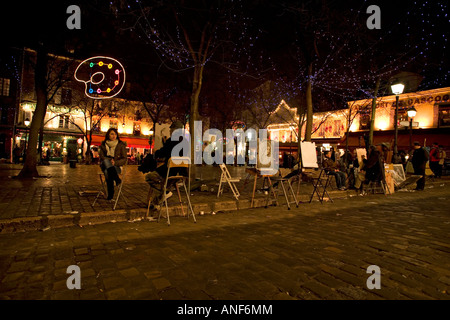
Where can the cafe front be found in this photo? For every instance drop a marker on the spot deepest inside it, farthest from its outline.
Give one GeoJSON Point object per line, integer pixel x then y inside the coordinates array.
{"type": "Point", "coordinates": [430, 124]}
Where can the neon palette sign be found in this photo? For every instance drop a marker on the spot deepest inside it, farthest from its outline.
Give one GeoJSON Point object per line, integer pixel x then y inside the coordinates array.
{"type": "Point", "coordinates": [104, 77]}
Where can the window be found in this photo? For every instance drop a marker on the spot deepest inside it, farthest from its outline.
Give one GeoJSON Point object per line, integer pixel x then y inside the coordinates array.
{"type": "Point", "coordinates": [64, 122]}
{"type": "Point", "coordinates": [26, 115]}
{"type": "Point", "coordinates": [114, 123]}
{"type": "Point", "coordinates": [57, 97]}
{"type": "Point", "coordinates": [402, 115]}
{"type": "Point", "coordinates": [4, 115]}
{"type": "Point", "coordinates": [136, 129]}
{"type": "Point", "coordinates": [4, 86]}
{"type": "Point", "coordinates": [364, 120]}
{"type": "Point", "coordinates": [444, 115]}
{"type": "Point", "coordinates": [66, 97]}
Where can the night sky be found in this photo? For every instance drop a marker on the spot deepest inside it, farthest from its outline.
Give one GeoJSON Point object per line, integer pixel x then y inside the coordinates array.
{"type": "Point", "coordinates": [413, 37]}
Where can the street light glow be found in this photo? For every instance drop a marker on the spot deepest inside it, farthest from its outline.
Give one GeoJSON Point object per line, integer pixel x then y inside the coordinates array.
{"type": "Point", "coordinates": [397, 88]}
{"type": "Point", "coordinates": [412, 112]}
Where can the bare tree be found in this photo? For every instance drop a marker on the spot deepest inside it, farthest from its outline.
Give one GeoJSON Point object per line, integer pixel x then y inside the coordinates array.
{"type": "Point", "coordinates": [50, 74]}
{"type": "Point", "coordinates": [188, 36]}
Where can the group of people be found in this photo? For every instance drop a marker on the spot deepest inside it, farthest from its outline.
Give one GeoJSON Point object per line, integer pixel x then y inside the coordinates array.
{"type": "Point", "coordinates": [372, 167]}
{"type": "Point", "coordinates": [113, 155]}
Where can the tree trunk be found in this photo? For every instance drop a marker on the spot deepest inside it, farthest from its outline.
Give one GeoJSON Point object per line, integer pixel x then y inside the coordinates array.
{"type": "Point", "coordinates": [194, 115]}
{"type": "Point", "coordinates": [374, 107]}
{"type": "Point", "coordinates": [309, 106]}
{"type": "Point", "coordinates": [299, 134]}
{"type": "Point", "coordinates": [29, 169]}
{"type": "Point", "coordinates": [40, 140]}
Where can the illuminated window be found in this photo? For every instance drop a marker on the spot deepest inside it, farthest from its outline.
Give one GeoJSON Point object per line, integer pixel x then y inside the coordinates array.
{"type": "Point", "coordinates": [444, 115]}
{"type": "Point", "coordinates": [114, 123]}
{"type": "Point", "coordinates": [364, 120]}
{"type": "Point", "coordinates": [66, 97]}
{"type": "Point", "coordinates": [4, 86]}
{"type": "Point", "coordinates": [136, 129]}
{"type": "Point", "coordinates": [64, 122]}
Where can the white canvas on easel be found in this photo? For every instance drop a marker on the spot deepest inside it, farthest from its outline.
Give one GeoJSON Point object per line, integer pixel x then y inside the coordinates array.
{"type": "Point", "coordinates": [309, 155]}
{"type": "Point", "coordinates": [359, 153]}
{"type": "Point", "coordinates": [162, 133]}
{"type": "Point", "coordinates": [268, 150]}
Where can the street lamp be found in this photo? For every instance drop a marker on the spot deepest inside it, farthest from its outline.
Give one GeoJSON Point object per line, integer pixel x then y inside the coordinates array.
{"type": "Point", "coordinates": [397, 89]}
{"type": "Point", "coordinates": [411, 114]}
{"type": "Point", "coordinates": [27, 123]}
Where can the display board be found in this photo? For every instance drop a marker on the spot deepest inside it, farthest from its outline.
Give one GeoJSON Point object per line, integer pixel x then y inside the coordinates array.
{"type": "Point", "coordinates": [162, 133]}
{"type": "Point", "coordinates": [268, 150]}
{"type": "Point", "coordinates": [309, 155]}
{"type": "Point", "coordinates": [360, 152]}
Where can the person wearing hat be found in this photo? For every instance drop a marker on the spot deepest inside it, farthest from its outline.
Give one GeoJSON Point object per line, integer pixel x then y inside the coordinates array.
{"type": "Point", "coordinates": [155, 178]}
{"type": "Point", "coordinates": [419, 161]}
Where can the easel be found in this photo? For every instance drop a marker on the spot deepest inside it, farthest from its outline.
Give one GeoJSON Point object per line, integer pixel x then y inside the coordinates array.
{"type": "Point", "coordinates": [319, 185]}
{"type": "Point", "coordinates": [264, 171]}
{"type": "Point", "coordinates": [260, 174]}
{"type": "Point", "coordinates": [309, 160]}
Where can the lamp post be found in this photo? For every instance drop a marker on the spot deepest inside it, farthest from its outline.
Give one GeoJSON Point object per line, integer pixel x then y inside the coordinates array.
{"type": "Point", "coordinates": [27, 123]}
{"type": "Point", "coordinates": [411, 114]}
{"type": "Point", "coordinates": [397, 89]}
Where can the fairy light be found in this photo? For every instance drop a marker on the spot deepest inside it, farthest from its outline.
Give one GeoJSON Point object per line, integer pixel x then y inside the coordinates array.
{"type": "Point", "coordinates": [345, 60]}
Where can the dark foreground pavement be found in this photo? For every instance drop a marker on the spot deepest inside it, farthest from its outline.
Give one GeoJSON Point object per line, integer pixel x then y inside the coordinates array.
{"type": "Point", "coordinates": [312, 252]}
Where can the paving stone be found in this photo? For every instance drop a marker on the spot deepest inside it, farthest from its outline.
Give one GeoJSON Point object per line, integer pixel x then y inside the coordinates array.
{"type": "Point", "coordinates": [161, 283]}
{"type": "Point", "coordinates": [318, 251]}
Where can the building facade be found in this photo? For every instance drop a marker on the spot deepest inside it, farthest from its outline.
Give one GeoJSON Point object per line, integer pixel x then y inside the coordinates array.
{"type": "Point", "coordinates": [72, 119]}
{"type": "Point", "coordinates": [430, 124]}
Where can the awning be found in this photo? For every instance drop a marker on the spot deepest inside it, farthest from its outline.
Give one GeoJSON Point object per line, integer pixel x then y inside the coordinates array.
{"type": "Point", "coordinates": [423, 136]}
{"type": "Point", "coordinates": [131, 142]}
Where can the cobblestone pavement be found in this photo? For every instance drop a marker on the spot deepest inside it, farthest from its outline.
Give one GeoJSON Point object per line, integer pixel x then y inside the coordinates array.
{"type": "Point", "coordinates": [57, 191]}
{"type": "Point", "coordinates": [316, 251]}
{"type": "Point", "coordinates": [64, 196]}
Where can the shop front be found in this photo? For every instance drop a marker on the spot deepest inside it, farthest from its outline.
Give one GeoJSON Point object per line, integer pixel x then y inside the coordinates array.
{"type": "Point", "coordinates": [136, 147]}
{"type": "Point", "coordinates": [62, 147]}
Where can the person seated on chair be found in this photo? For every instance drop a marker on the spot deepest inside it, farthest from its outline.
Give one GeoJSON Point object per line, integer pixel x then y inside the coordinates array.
{"type": "Point", "coordinates": [113, 155]}
{"type": "Point", "coordinates": [155, 178]}
{"type": "Point", "coordinates": [360, 174]}
{"type": "Point", "coordinates": [332, 168]}
{"type": "Point", "coordinates": [373, 165]}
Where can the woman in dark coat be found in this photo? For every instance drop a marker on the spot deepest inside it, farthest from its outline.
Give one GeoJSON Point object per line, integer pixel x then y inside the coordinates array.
{"type": "Point", "coordinates": [419, 161]}
{"type": "Point", "coordinates": [373, 165]}
{"type": "Point", "coordinates": [113, 155]}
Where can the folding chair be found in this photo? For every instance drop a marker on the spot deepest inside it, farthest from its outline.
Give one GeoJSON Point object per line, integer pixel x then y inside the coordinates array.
{"type": "Point", "coordinates": [318, 184]}
{"type": "Point", "coordinates": [226, 178]}
{"type": "Point", "coordinates": [176, 162]}
{"type": "Point", "coordinates": [104, 192]}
